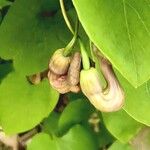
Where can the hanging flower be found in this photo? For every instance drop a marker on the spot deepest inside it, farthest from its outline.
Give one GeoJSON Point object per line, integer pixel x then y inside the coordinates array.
{"type": "Point", "coordinates": [65, 77]}
{"type": "Point", "coordinates": [107, 100]}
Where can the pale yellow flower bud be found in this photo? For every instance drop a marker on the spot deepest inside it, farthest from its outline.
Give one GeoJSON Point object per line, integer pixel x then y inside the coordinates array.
{"type": "Point", "coordinates": [90, 82]}
{"type": "Point", "coordinates": [59, 64]}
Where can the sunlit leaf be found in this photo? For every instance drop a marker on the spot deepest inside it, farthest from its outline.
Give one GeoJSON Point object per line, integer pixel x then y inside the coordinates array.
{"type": "Point", "coordinates": [120, 29]}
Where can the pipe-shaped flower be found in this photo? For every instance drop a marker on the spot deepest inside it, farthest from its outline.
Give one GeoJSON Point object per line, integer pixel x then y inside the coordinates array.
{"type": "Point", "coordinates": [108, 100]}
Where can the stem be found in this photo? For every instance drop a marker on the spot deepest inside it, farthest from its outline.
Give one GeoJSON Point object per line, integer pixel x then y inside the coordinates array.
{"type": "Point", "coordinates": [86, 62]}
{"type": "Point", "coordinates": [68, 48]}
{"type": "Point", "coordinates": [65, 16]}
{"type": "Point", "coordinates": [85, 58]}
{"type": "Point", "coordinates": [24, 138]}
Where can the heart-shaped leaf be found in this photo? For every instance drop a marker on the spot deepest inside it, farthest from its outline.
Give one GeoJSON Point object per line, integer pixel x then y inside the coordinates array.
{"type": "Point", "coordinates": [22, 105]}
{"type": "Point", "coordinates": [29, 43]}
{"type": "Point", "coordinates": [121, 30]}
{"type": "Point", "coordinates": [37, 34]}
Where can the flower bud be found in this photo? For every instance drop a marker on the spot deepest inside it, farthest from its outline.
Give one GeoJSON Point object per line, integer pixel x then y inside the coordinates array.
{"type": "Point", "coordinates": [90, 82]}
{"type": "Point", "coordinates": [74, 69]}
{"type": "Point", "coordinates": [59, 82]}
{"type": "Point", "coordinates": [59, 64]}
{"type": "Point", "coordinates": [69, 81]}
{"type": "Point", "coordinates": [107, 100]}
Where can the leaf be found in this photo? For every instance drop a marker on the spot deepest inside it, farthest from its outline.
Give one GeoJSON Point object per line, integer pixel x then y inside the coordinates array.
{"type": "Point", "coordinates": [120, 29]}
{"type": "Point", "coordinates": [41, 141]}
{"type": "Point", "coordinates": [121, 125]}
{"type": "Point", "coordinates": [29, 43]}
{"type": "Point", "coordinates": [70, 141]}
{"type": "Point", "coordinates": [137, 100]}
{"type": "Point", "coordinates": [50, 124]}
{"type": "Point", "coordinates": [37, 34]}
{"type": "Point", "coordinates": [4, 3]}
{"type": "Point", "coordinates": [0, 17]}
{"type": "Point", "coordinates": [22, 105]}
{"type": "Point", "coordinates": [117, 145]}
{"type": "Point", "coordinates": [76, 112]}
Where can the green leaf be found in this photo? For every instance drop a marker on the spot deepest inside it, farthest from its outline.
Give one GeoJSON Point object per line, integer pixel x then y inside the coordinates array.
{"type": "Point", "coordinates": [75, 112]}
{"type": "Point", "coordinates": [0, 17]}
{"type": "Point", "coordinates": [22, 105]}
{"type": "Point", "coordinates": [121, 125]}
{"type": "Point", "coordinates": [39, 31]}
{"type": "Point", "coordinates": [117, 145]}
{"type": "Point", "coordinates": [37, 34]}
{"type": "Point", "coordinates": [29, 43]}
{"type": "Point", "coordinates": [41, 141]}
{"type": "Point", "coordinates": [50, 124]}
{"type": "Point", "coordinates": [121, 30]}
{"type": "Point", "coordinates": [137, 100]}
{"type": "Point", "coordinates": [4, 3]}
{"type": "Point", "coordinates": [77, 138]}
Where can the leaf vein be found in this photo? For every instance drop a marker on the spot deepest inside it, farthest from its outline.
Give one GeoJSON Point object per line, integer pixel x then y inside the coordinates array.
{"type": "Point", "coordinates": [140, 18]}
{"type": "Point", "coordinates": [148, 2]}
{"type": "Point", "coordinates": [147, 89]}
{"type": "Point", "coordinates": [130, 41]}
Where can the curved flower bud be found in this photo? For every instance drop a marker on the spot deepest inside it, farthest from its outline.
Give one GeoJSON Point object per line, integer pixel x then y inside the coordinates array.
{"type": "Point", "coordinates": [59, 82]}
{"type": "Point", "coordinates": [108, 100]}
{"type": "Point", "coordinates": [59, 64]}
{"type": "Point", "coordinates": [114, 89]}
{"type": "Point", "coordinates": [67, 82]}
{"type": "Point", "coordinates": [74, 69]}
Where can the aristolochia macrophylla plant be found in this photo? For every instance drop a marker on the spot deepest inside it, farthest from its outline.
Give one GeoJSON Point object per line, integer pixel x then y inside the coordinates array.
{"type": "Point", "coordinates": [55, 91]}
